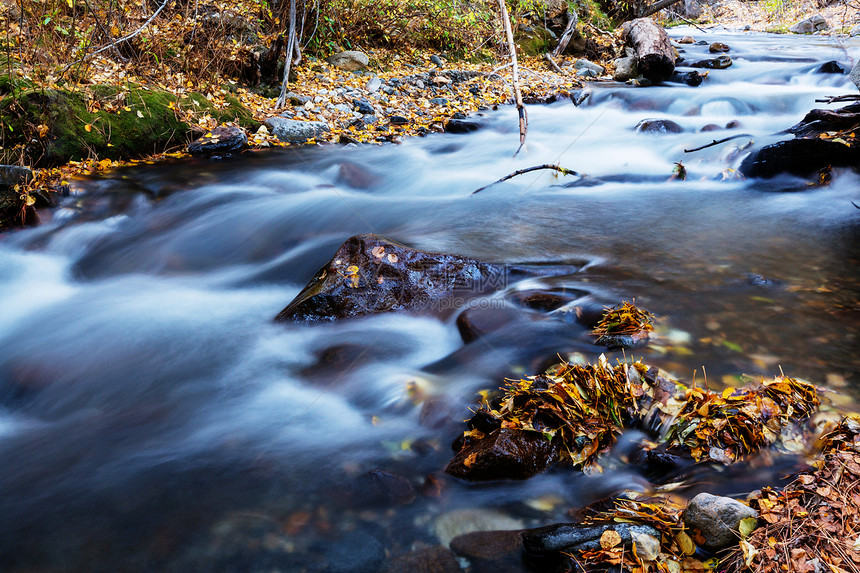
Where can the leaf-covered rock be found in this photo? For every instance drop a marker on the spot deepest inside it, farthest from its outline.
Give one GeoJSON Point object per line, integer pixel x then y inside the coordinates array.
{"type": "Point", "coordinates": [370, 274]}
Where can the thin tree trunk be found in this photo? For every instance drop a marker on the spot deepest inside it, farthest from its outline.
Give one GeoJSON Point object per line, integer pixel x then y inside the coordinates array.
{"type": "Point", "coordinates": [521, 110]}
{"type": "Point", "coordinates": [292, 47]}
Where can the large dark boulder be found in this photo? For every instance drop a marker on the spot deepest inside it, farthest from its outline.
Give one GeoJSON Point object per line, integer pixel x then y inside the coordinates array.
{"type": "Point", "coordinates": [800, 157]}
{"type": "Point", "coordinates": [370, 274]}
{"type": "Point", "coordinates": [818, 121]}
{"type": "Point", "coordinates": [505, 453]}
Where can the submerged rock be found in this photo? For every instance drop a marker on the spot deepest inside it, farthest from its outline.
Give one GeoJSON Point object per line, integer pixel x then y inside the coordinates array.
{"type": "Point", "coordinates": [427, 560]}
{"type": "Point", "coordinates": [504, 454]}
{"type": "Point", "coordinates": [717, 519]}
{"type": "Point", "coordinates": [370, 275]}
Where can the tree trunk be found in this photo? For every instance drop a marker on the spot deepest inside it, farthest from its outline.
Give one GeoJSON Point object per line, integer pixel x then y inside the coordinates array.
{"type": "Point", "coordinates": [573, 18]}
{"type": "Point", "coordinates": [521, 110]}
{"type": "Point", "coordinates": [292, 47]}
{"type": "Point", "coordinates": [654, 52]}
{"type": "Point", "coordinates": [656, 7]}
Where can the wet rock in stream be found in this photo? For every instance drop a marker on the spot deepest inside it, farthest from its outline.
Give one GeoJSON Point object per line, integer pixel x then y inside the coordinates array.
{"type": "Point", "coordinates": [370, 275]}
{"type": "Point", "coordinates": [504, 454]}
{"type": "Point", "coordinates": [801, 157]}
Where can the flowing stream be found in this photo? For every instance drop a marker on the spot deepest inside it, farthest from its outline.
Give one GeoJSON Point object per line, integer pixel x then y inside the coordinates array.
{"type": "Point", "coordinates": [153, 417]}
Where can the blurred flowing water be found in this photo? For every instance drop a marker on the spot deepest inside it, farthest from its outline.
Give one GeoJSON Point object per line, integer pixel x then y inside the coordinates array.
{"type": "Point", "coordinates": [154, 418]}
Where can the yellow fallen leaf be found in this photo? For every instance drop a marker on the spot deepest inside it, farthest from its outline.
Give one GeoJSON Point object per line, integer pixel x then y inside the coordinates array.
{"type": "Point", "coordinates": [88, 127]}
{"type": "Point", "coordinates": [610, 539]}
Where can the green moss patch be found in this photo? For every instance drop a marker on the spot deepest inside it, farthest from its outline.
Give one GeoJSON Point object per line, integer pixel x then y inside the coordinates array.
{"type": "Point", "coordinates": [51, 127]}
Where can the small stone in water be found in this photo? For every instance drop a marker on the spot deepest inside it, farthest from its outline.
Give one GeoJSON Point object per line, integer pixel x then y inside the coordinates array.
{"type": "Point", "coordinates": [718, 47]}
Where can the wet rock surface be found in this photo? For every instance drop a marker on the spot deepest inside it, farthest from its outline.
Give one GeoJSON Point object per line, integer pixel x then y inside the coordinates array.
{"type": "Point", "coordinates": [800, 157]}
{"type": "Point", "coordinates": [718, 63]}
{"type": "Point", "coordinates": [660, 126]}
{"type": "Point", "coordinates": [504, 454]}
{"type": "Point", "coordinates": [223, 139]}
{"type": "Point", "coordinates": [370, 275]}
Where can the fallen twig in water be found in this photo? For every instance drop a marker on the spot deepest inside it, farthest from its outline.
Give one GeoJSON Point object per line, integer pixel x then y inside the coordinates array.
{"type": "Point", "coordinates": [837, 99]}
{"type": "Point", "coordinates": [562, 170]}
{"type": "Point", "coordinates": [717, 142]}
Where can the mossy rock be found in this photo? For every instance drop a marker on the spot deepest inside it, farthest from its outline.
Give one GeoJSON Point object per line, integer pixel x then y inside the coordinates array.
{"type": "Point", "coordinates": [79, 127]}
{"type": "Point", "coordinates": [535, 40]}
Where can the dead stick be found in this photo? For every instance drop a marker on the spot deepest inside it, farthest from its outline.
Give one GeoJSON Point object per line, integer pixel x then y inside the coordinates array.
{"type": "Point", "coordinates": [691, 23]}
{"type": "Point", "coordinates": [121, 40]}
{"type": "Point", "coordinates": [554, 65]}
{"type": "Point", "coordinates": [717, 142]}
{"type": "Point", "coordinates": [562, 170]}
{"type": "Point", "coordinates": [835, 99]}
{"type": "Point", "coordinates": [521, 110]}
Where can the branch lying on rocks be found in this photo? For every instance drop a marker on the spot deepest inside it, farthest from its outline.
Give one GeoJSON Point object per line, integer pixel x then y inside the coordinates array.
{"type": "Point", "coordinates": [562, 170]}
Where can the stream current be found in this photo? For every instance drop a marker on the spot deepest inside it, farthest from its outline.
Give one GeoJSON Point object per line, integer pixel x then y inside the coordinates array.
{"type": "Point", "coordinates": [153, 417]}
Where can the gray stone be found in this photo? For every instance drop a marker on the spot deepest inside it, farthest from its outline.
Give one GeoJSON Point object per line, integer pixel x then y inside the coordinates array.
{"type": "Point", "coordinates": [350, 60]}
{"type": "Point", "coordinates": [343, 108]}
{"type": "Point", "coordinates": [692, 9]}
{"type": "Point", "coordinates": [587, 73]}
{"type": "Point", "coordinates": [363, 106]}
{"type": "Point", "coordinates": [586, 65]}
{"type": "Point", "coordinates": [373, 84]}
{"type": "Point", "coordinates": [625, 69]}
{"type": "Point", "coordinates": [439, 101]}
{"type": "Point", "coordinates": [812, 24]}
{"type": "Point", "coordinates": [294, 131]}
{"type": "Point", "coordinates": [11, 175]}
{"type": "Point", "coordinates": [717, 518]}
{"type": "Point", "coordinates": [855, 75]}
{"type": "Point", "coordinates": [855, 31]}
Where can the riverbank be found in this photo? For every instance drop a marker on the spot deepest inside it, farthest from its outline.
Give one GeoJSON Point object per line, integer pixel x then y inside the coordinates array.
{"type": "Point", "coordinates": [149, 116]}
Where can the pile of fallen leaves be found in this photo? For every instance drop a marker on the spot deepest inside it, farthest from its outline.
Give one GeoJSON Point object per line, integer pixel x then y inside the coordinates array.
{"type": "Point", "coordinates": [813, 524]}
{"type": "Point", "coordinates": [584, 408]}
{"type": "Point", "coordinates": [623, 320]}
